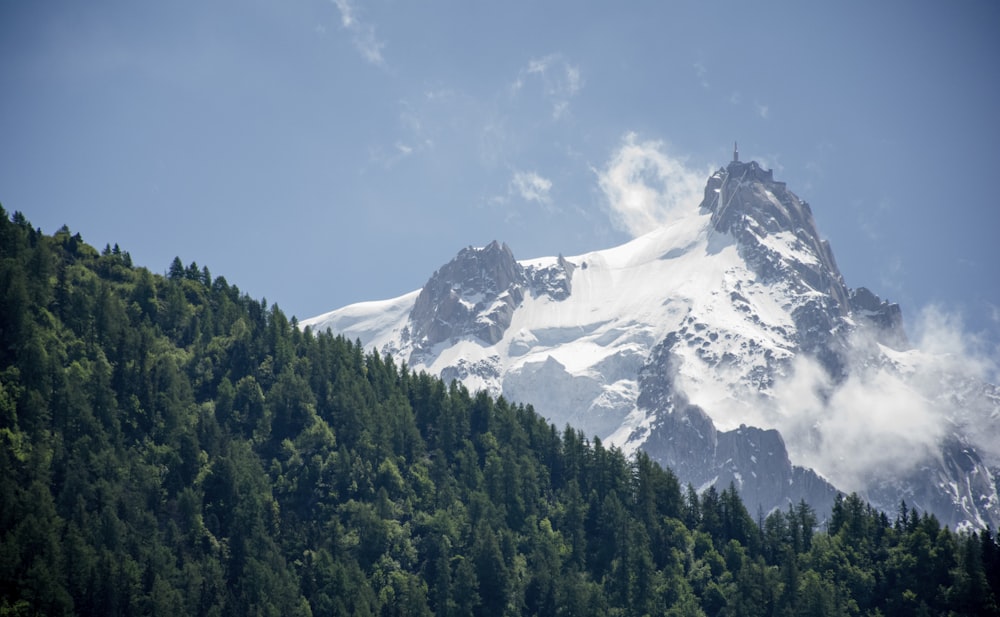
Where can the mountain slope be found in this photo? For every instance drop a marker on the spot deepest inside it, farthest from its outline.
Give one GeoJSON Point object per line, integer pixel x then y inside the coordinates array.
{"type": "Point", "coordinates": [725, 343]}
{"type": "Point", "coordinates": [170, 446]}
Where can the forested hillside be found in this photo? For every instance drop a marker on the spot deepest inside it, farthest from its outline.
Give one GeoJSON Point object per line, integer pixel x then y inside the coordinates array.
{"type": "Point", "coordinates": [171, 446]}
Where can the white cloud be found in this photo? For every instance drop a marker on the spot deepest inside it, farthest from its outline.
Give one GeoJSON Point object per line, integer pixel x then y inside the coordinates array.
{"type": "Point", "coordinates": [943, 333]}
{"type": "Point", "coordinates": [531, 186]}
{"type": "Point", "coordinates": [761, 110]}
{"type": "Point", "coordinates": [876, 424]}
{"type": "Point", "coordinates": [362, 34]}
{"type": "Point", "coordinates": [887, 418]}
{"type": "Point", "coordinates": [560, 81]}
{"type": "Point", "coordinates": [960, 357]}
{"type": "Point", "coordinates": [881, 422]}
{"type": "Point", "coordinates": [645, 186]}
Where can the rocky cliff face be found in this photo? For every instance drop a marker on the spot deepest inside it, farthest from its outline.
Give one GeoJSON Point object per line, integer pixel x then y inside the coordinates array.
{"type": "Point", "coordinates": [726, 344]}
{"type": "Point", "coordinates": [474, 295]}
{"type": "Point", "coordinates": [885, 318]}
{"type": "Point", "coordinates": [778, 240]}
{"type": "Point", "coordinates": [841, 328]}
{"type": "Point", "coordinates": [684, 438]}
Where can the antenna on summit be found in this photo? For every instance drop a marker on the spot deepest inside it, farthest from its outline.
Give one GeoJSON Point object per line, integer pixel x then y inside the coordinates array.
{"type": "Point", "coordinates": [736, 153]}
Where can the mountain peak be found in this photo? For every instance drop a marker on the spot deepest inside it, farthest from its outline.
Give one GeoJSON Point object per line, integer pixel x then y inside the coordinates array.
{"type": "Point", "coordinates": [778, 239]}
{"type": "Point", "coordinates": [473, 294]}
{"type": "Point", "coordinates": [745, 196]}
{"type": "Point", "coordinates": [725, 344]}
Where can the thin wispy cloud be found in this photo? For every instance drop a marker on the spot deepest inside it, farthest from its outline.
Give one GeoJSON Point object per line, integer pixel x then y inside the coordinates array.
{"type": "Point", "coordinates": [388, 157]}
{"type": "Point", "coordinates": [415, 138]}
{"type": "Point", "coordinates": [531, 187]}
{"type": "Point", "coordinates": [871, 218]}
{"type": "Point", "coordinates": [762, 110]}
{"type": "Point", "coordinates": [417, 133]}
{"type": "Point", "coordinates": [362, 34]}
{"type": "Point", "coordinates": [891, 273]}
{"type": "Point", "coordinates": [493, 142]}
{"type": "Point", "coordinates": [559, 79]}
{"type": "Point", "coordinates": [702, 73]}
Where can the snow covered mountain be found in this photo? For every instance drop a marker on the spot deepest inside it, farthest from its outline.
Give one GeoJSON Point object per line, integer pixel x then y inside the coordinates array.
{"type": "Point", "coordinates": [726, 344]}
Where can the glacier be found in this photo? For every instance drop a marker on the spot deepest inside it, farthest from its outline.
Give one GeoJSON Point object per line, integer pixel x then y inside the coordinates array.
{"type": "Point", "coordinates": [725, 343]}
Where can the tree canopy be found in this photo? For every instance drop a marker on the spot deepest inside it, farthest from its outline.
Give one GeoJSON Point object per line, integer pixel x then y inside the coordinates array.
{"type": "Point", "coordinates": [169, 445]}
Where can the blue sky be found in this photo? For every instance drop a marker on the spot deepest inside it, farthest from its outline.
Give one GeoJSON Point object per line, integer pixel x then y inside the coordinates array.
{"type": "Point", "coordinates": [321, 153]}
